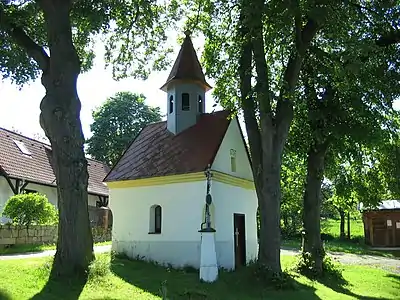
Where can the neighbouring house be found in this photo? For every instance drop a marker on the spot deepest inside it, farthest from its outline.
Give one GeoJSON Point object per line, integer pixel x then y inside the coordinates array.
{"type": "Point", "coordinates": [158, 187]}
{"type": "Point", "coordinates": [26, 167]}
{"type": "Point", "coordinates": [382, 224]}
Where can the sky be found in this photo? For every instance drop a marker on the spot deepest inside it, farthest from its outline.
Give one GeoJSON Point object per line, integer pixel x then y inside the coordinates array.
{"type": "Point", "coordinates": [19, 108]}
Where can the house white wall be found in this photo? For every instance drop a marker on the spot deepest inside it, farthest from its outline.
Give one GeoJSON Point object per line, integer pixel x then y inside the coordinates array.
{"type": "Point", "coordinates": [5, 194]}
{"type": "Point", "coordinates": [182, 214]}
{"type": "Point", "coordinates": [50, 192]}
{"type": "Point", "coordinates": [233, 140]}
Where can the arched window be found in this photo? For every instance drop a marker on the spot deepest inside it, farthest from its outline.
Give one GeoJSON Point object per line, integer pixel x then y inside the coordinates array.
{"type": "Point", "coordinates": [200, 103]}
{"type": "Point", "coordinates": [155, 219]}
{"type": "Point", "coordinates": [233, 160]}
{"type": "Point", "coordinates": [171, 104]}
{"type": "Point", "coordinates": [185, 102]}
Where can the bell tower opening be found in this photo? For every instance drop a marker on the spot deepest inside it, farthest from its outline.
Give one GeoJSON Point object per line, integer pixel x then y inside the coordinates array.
{"type": "Point", "coordinates": [185, 87]}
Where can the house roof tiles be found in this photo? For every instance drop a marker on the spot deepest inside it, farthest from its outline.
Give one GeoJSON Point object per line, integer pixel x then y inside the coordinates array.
{"type": "Point", "coordinates": [37, 167]}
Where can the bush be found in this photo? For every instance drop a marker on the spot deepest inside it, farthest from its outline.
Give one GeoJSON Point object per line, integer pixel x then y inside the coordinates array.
{"type": "Point", "coordinates": [30, 209]}
{"type": "Point", "coordinates": [330, 270]}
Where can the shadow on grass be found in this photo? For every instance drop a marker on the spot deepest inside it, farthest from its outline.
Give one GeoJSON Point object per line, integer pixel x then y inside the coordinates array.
{"type": "Point", "coordinates": [65, 288]}
{"type": "Point", "coordinates": [4, 295]}
{"type": "Point", "coordinates": [394, 276]}
{"type": "Point", "coordinates": [341, 286]}
{"type": "Point", "coordinates": [185, 284]}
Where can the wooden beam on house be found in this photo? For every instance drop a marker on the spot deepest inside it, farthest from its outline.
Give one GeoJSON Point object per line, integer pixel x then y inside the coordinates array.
{"type": "Point", "coordinates": [8, 179]}
{"type": "Point", "coordinates": [103, 201]}
{"type": "Point", "coordinates": [24, 185]}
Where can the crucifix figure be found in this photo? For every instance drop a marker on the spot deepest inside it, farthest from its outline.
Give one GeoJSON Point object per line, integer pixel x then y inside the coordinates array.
{"type": "Point", "coordinates": [208, 197]}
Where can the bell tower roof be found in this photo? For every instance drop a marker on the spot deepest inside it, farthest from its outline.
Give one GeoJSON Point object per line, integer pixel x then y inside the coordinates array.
{"type": "Point", "coordinates": [187, 66]}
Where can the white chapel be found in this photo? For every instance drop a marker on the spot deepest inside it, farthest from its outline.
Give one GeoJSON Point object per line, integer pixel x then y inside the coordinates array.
{"type": "Point", "coordinates": [183, 194]}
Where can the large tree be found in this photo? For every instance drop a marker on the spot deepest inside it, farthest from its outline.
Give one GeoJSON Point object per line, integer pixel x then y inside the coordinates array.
{"type": "Point", "coordinates": [349, 85]}
{"type": "Point", "coordinates": [53, 39]}
{"type": "Point", "coordinates": [116, 123]}
{"type": "Point", "coordinates": [255, 51]}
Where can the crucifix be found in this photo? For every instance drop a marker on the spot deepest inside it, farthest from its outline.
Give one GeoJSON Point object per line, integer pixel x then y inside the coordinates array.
{"type": "Point", "coordinates": [208, 197]}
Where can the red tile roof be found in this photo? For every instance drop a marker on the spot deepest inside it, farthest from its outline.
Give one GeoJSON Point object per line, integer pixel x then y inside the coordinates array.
{"type": "Point", "coordinates": [37, 167]}
{"type": "Point", "coordinates": [158, 152]}
{"type": "Point", "coordinates": [187, 66]}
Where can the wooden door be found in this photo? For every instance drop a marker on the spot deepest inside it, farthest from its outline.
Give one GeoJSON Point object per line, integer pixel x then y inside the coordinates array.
{"type": "Point", "coordinates": [239, 234]}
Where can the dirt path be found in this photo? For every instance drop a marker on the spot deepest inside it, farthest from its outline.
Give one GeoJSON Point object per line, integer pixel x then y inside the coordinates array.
{"type": "Point", "coordinates": [97, 249]}
{"type": "Point", "coordinates": [389, 264]}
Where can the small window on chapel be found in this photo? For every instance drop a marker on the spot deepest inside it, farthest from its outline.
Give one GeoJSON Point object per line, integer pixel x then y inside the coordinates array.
{"type": "Point", "coordinates": [155, 219]}
{"type": "Point", "coordinates": [171, 104]}
{"type": "Point", "coordinates": [200, 103]}
{"type": "Point", "coordinates": [185, 102]}
{"type": "Point", "coordinates": [233, 160]}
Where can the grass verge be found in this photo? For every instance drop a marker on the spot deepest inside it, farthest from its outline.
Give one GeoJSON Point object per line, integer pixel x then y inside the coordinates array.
{"type": "Point", "coordinates": [125, 279]}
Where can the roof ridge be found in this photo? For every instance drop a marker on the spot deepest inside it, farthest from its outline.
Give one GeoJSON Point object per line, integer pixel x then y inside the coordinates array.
{"type": "Point", "coordinates": [24, 136]}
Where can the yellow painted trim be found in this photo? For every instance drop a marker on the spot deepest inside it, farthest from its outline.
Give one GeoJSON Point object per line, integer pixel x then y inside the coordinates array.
{"type": "Point", "coordinates": [191, 177]}
{"type": "Point", "coordinates": [232, 180]}
{"type": "Point", "coordinates": [161, 180]}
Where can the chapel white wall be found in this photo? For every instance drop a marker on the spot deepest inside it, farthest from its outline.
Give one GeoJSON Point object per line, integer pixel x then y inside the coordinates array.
{"type": "Point", "coordinates": [179, 241]}
{"type": "Point", "coordinates": [233, 140]}
{"type": "Point", "coordinates": [182, 213]}
{"type": "Point", "coordinates": [229, 200]}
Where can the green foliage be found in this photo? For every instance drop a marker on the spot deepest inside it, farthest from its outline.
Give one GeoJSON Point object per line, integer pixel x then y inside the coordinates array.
{"type": "Point", "coordinates": [99, 268]}
{"type": "Point", "coordinates": [30, 209]}
{"type": "Point", "coordinates": [330, 270]}
{"type": "Point", "coordinates": [133, 32]}
{"type": "Point", "coordinates": [116, 123]}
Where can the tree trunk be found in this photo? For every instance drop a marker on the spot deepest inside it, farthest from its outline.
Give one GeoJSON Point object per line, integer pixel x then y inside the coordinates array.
{"type": "Point", "coordinates": [312, 206]}
{"type": "Point", "coordinates": [269, 203]}
{"type": "Point", "coordinates": [348, 226]}
{"type": "Point", "coordinates": [60, 119]}
{"type": "Point", "coordinates": [342, 221]}
{"type": "Point", "coordinates": [268, 136]}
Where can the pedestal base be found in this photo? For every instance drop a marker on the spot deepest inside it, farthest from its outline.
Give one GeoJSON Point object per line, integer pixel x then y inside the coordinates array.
{"type": "Point", "coordinates": [208, 258]}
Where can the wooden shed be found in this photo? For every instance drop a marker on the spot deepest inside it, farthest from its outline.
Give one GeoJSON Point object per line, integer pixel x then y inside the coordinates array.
{"type": "Point", "coordinates": [382, 225]}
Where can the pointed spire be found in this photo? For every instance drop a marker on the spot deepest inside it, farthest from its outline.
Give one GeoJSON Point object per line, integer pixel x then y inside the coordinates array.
{"type": "Point", "coordinates": [187, 66]}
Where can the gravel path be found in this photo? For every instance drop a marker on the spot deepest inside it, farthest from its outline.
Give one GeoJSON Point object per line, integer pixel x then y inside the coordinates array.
{"type": "Point", "coordinates": [97, 249]}
{"type": "Point", "coordinates": [386, 263]}
{"type": "Point", "coordinates": [389, 264]}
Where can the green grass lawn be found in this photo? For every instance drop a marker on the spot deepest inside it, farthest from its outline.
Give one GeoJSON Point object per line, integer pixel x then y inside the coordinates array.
{"type": "Point", "coordinates": [17, 249]}
{"type": "Point", "coordinates": [355, 245]}
{"type": "Point", "coordinates": [332, 227]}
{"type": "Point", "coordinates": [28, 279]}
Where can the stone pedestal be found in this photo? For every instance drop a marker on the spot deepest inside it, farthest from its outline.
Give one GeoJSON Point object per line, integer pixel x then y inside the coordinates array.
{"type": "Point", "coordinates": [208, 256]}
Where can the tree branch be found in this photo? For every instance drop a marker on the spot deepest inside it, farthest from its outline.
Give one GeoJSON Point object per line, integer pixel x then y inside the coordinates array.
{"type": "Point", "coordinates": [247, 100]}
{"type": "Point", "coordinates": [389, 39]}
{"type": "Point", "coordinates": [284, 109]}
{"type": "Point", "coordinates": [24, 41]}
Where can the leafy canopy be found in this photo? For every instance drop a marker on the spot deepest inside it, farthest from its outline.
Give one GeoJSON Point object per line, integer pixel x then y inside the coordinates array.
{"type": "Point", "coordinates": [116, 123]}
{"type": "Point", "coordinates": [133, 32]}
{"type": "Point", "coordinates": [30, 209]}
